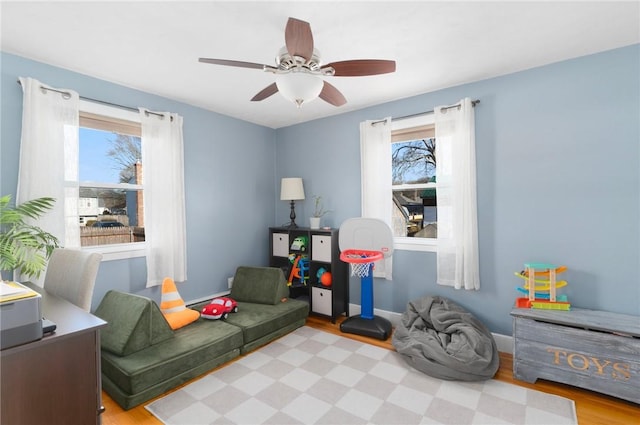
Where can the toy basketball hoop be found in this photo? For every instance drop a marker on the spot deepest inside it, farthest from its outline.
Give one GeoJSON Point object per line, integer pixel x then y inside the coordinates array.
{"type": "Point", "coordinates": [362, 261]}
{"type": "Point", "coordinates": [363, 242]}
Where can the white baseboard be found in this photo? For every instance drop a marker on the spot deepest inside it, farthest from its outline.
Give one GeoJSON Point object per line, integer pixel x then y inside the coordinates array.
{"type": "Point", "coordinates": [504, 342]}
{"type": "Point", "coordinates": [207, 298]}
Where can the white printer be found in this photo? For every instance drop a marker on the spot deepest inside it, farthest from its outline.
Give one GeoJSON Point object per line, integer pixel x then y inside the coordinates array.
{"type": "Point", "coordinates": [20, 315]}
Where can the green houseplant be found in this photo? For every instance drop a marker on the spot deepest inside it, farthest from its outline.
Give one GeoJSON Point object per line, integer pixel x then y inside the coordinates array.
{"type": "Point", "coordinates": [24, 247]}
{"type": "Point", "coordinates": [318, 212]}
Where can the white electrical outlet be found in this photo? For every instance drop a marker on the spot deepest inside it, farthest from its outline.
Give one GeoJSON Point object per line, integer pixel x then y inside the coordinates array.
{"type": "Point", "coordinates": [230, 281]}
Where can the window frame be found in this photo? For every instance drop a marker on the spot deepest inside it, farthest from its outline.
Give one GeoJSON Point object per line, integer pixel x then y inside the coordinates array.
{"type": "Point", "coordinates": [404, 242]}
{"type": "Point", "coordinates": [123, 250]}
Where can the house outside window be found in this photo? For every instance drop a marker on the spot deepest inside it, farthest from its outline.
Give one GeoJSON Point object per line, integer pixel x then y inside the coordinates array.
{"type": "Point", "coordinates": [110, 203]}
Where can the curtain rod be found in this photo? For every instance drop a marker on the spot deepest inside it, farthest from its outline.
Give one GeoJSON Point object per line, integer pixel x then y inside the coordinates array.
{"type": "Point", "coordinates": [67, 95]}
{"type": "Point", "coordinates": [457, 105]}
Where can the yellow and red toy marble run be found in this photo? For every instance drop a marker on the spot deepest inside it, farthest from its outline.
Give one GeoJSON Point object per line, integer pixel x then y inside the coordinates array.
{"type": "Point", "coordinates": [540, 287]}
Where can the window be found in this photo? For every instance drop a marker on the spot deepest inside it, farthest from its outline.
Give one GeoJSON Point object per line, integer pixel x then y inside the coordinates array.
{"type": "Point", "coordinates": [456, 223]}
{"type": "Point", "coordinates": [413, 185]}
{"type": "Point", "coordinates": [413, 166]}
{"type": "Point", "coordinates": [110, 201]}
{"type": "Point", "coordinates": [398, 178]}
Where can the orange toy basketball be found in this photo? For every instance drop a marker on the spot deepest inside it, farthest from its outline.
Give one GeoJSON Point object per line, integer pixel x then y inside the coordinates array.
{"type": "Point", "coordinates": [325, 279]}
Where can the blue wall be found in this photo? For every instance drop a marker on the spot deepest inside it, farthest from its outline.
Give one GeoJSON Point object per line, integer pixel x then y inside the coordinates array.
{"type": "Point", "coordinates": [558, 152]}
{"type": "Point", "coordinates": [558, 159]}
{"type": "Point", "coordinates": [224, 229]}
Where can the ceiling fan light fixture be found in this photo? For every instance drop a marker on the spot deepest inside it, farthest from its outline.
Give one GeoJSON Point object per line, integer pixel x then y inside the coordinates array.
{"type": "Point", "coordinates": [299, 69]}
{"type": "Point", "coordinates": [299, 87]}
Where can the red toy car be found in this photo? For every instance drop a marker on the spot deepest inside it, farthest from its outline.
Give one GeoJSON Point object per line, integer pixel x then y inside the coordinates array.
{"type": "Point", "coordinates": [219, 308]}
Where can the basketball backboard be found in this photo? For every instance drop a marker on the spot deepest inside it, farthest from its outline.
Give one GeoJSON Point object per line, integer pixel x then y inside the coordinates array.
{"type": "Point", "coordinates": [370, 234]}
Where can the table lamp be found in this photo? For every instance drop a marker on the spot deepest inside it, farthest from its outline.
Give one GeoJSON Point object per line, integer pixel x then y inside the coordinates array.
{"type": "Point", "coordinates": [291, 189]}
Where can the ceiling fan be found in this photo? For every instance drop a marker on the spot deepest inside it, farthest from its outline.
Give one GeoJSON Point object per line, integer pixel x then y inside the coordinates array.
{"type": "Point", "coordinates": [298, 68]}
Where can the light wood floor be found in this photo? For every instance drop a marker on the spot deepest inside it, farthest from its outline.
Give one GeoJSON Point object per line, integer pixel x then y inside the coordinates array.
{"type": "Point", "coordinates": [592, 408]}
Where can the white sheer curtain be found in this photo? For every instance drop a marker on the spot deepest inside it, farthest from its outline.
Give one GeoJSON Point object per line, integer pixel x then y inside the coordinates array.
{"type": "Point", "coordinates": [49, 158]}
{"type": "Point", "coordinates": [375, 168]}
{"type": "Point", "coordinates": [164, 208]}
{"type": "Point", "coordinates": [458, 262]}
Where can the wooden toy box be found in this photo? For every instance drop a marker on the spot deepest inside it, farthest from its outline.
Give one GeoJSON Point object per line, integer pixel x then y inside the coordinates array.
{"type": "Point", "coordinates": [596, 350]}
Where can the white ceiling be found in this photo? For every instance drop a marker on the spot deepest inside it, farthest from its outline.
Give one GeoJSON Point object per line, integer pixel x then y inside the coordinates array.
{"type": "Point", "coordinates": [155, 46]}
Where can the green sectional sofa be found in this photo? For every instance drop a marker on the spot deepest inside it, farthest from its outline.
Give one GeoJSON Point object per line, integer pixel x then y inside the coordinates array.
{"type": "Point", "coordinates": [142, 357]}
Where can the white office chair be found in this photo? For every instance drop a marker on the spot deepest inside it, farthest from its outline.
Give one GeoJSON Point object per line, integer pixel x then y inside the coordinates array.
{"type": "Point", "coordinates": [71, 274]}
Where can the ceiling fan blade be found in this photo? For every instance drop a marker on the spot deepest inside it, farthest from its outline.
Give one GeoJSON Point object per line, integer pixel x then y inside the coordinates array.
{"type": "Point", "coordinates": [233, 63]}
{"type": "Point", "coordinates": [298, 38]}
{"type": "Point", "coordinates": [332, 95]}
{"type": "Point", "coordinates": [265, 92]}
{"type": "Point", "coordinates": [362, 67]}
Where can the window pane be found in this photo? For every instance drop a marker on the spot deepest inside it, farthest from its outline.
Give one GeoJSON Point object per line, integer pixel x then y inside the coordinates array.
{"type": "Point", "coordinates": [109, 216]}
{"type": "Point", "coordinates": [108, 157]}
{"type": "Point", "coordinates": [110, 212]}
{"type": "Point", "coordinates": [413, 161]}
{"type": "Point", "coordinates": [414, 193]}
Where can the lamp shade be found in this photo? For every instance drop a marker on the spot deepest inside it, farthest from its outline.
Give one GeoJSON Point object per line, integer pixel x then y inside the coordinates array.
{"type": "Point", "coordinates": [291, 189]}
{"type": "Point", "coordinates": [299, 87]}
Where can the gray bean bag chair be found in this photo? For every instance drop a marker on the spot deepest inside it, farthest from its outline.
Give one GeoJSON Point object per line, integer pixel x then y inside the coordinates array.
{"type": "Point", "coordinates": [443, 340]}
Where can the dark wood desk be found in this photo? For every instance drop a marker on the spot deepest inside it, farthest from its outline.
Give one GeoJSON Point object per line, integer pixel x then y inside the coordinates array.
{"type": "Point", "coordinates": [55, 380]}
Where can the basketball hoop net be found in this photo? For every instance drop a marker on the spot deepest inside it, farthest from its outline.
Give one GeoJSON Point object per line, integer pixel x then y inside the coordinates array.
{"type": "Point", "coordinates": [361, 261]}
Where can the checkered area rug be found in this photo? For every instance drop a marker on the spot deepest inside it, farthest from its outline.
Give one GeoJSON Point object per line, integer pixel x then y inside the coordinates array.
{"type": "Point", "coordinates": [313, 377]}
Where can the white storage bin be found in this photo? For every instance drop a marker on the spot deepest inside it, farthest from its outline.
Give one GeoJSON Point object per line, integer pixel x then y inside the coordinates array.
{"type": "Point", "coordinates": [321, 301]}
{"type": "Point", "coordinates": [321, 248]}
{"type": "Point", "coordinates": [280, 245]}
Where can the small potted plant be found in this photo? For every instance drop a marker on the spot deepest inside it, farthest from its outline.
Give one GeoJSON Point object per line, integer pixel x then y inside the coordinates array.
{"type": "Point", "coordinates": [24, 247]}
{"type": "Point", "coordinates": [318, 212]}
